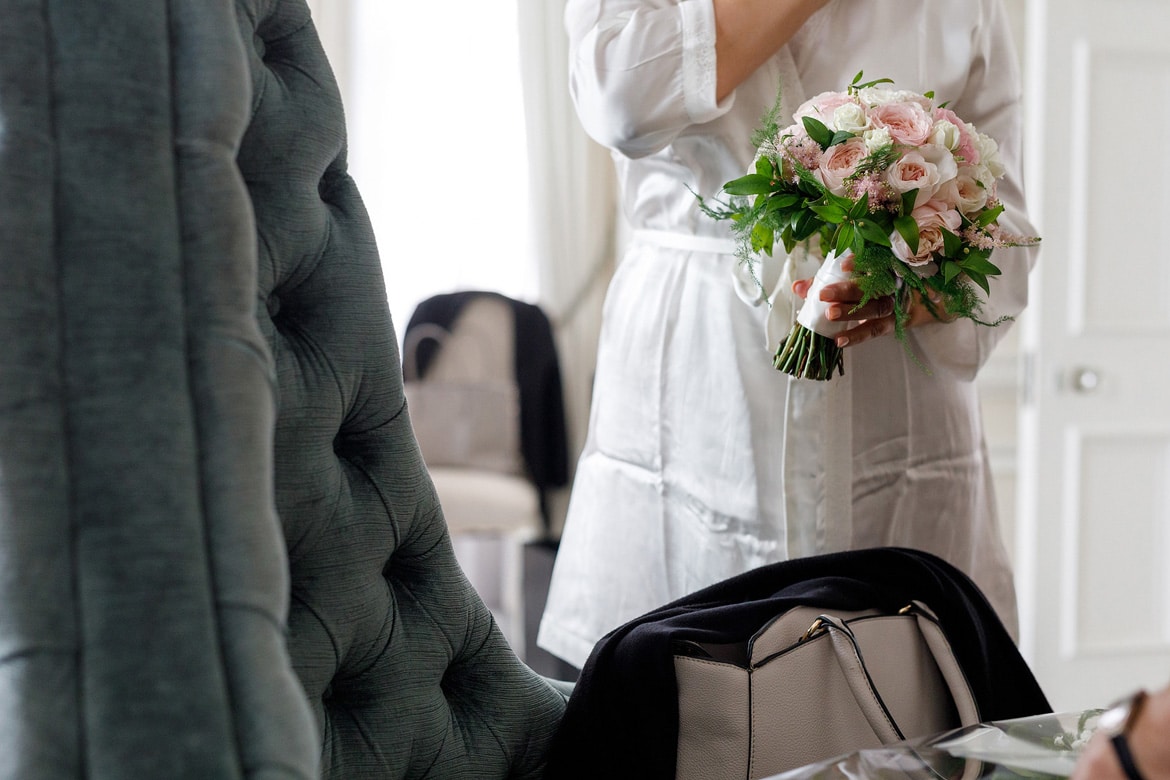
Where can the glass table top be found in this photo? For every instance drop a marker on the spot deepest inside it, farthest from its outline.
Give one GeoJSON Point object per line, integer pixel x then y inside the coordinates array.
{"type": "Point", "coordinates": [1044, 746]}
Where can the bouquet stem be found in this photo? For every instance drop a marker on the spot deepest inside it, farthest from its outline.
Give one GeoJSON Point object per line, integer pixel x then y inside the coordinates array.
{"type": "Point", "coordinates": [806, 354]}
{"type": "Point", "coordinates": [810, 350]}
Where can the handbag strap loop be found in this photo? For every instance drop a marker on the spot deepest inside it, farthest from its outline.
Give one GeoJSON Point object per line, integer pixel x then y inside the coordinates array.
{"type": "Point", "coordinates": [869, 699]}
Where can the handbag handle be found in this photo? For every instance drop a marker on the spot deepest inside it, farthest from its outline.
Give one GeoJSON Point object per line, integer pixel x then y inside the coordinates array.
{"type": "Point", "coordinates": [869, 699]}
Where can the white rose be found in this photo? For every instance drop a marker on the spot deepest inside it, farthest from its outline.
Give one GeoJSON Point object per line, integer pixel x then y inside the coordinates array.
{"type": "Point", "coordinates": [942, 159]}
{"type": "Point", "coordinates": [877, 138]}
{"type": "Point", "coordinates": [989, 159]}
{"type": "Point", "coordinates": [850, 118]}
{"type": "Point", "coordinates": [946, 134]}
{"type": "Point", "coordinates": [876, 96]}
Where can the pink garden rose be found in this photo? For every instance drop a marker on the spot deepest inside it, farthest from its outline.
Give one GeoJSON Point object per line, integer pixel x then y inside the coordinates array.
{"type": "Point", "coordinates": [839, 162]}
{"type": "Point", "coordinates": [908, 123]}
{"type": "Point", "coordinates": [965, 192]}
{"type": "Point", "coordinates": [925, 169]}
{"type": "Point", "coordinates": [932, 219]}
{"type": "Point", "coordinates": [822, 106]}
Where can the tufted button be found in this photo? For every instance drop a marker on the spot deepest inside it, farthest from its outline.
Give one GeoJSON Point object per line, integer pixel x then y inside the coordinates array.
{"type": "Point", "coordinates": [273, 305]}
{"type": "Point", "coordinates": [261, 47]}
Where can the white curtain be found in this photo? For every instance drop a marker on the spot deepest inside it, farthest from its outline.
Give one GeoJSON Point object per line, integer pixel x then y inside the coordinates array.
{"type": "Point", "coordinates": [571, 183]}
{"type": "Point", "coordinates": [574, 210]}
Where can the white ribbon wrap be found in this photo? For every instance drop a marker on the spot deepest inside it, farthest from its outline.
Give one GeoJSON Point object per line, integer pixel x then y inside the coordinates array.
{"type": "Point", "coordinates": [814, 314]}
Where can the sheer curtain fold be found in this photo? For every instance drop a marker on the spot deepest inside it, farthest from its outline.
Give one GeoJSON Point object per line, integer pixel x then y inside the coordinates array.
{"type": "Point", "coordinates": [574, 209]}
{"type": "Point", "coordinates": [573, 219]}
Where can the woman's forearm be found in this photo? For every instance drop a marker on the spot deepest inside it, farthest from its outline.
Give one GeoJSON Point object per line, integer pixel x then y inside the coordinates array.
{"type": "Point", "coordinates": [748, 32]}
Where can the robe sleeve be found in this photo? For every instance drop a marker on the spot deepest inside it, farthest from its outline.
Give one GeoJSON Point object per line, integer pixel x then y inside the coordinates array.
{"type": "Point", "coordinates": [640, 71]}
{"type": "Point", "coordinates": [992, 103]}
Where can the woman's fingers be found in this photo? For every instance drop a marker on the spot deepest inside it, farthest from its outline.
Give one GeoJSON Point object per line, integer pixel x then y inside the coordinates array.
{"type": "Point", "coordinates": [865, 330]}
{"type": "Point", "coordinates": [876, 309]}
{"type": "Point", "coordinates": [874, 319]}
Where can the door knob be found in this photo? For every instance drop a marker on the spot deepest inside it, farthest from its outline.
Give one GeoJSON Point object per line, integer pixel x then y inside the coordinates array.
{"type": "Point", "coordinates": [1085, 380]}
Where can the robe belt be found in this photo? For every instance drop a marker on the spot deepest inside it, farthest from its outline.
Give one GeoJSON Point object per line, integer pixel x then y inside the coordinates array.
{"type": "Point", "coordinates": [686, 242]}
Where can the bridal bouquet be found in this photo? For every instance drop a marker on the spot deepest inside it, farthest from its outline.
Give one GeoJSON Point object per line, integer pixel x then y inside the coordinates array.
{"type": "Point", "coordinates": [888, 178]}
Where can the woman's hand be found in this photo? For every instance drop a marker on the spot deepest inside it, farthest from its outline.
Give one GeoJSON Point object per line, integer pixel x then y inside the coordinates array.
{"type": "Point", "coordinates": [1147, 743]}
{"type": "Point", "coordinates": [874, 320]}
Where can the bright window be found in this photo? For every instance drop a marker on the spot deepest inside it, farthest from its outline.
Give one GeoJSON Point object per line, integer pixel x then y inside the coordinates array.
{"type": "Point", "coordinates": [437, 146]}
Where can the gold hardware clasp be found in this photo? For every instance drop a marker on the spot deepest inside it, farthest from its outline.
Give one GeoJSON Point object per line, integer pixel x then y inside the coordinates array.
{"type": "Point", "coordinates": [817, 625]}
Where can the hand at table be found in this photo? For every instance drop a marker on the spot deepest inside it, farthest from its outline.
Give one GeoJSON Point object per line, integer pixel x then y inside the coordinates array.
{"type": "Point", "coordinates": [874, 319]}
{"type": "Point", "coordinates": [1147, 742]}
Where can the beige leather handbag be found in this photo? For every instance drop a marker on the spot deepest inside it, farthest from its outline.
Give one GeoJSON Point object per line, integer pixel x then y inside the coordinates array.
{"type": "Point", "coordinates": [811, 685]}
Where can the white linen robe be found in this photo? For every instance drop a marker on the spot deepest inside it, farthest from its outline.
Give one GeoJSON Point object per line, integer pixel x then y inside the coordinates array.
{"type": "Point", "coordinates": [702, 461]}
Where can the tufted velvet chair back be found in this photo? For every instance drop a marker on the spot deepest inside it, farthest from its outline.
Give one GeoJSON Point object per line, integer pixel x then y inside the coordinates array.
{"type": "Point", "coordinates": [403, 664]}
{"type": "Point", "coordinates": [220, 553]}
{"type": "Point", "coordinates": [143, 579]}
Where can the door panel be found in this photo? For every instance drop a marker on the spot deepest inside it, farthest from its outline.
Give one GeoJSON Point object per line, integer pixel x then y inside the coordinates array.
{"type": "Point", "coordinates": [1094, 508]}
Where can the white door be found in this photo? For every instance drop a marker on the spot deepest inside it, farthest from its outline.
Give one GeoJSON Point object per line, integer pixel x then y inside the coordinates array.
{"type": "Point", "coordinates": [1093, 524]}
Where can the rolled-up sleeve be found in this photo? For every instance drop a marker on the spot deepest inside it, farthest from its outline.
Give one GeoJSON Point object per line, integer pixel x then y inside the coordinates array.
{"type": "Point", "coordinates": [641, 72]}
{"type": "Point", "coordinates": [992, 103]}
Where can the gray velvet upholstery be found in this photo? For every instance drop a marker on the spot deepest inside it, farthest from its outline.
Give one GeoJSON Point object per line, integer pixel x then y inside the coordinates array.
{"type": "Point", "coordinates": [196, 355]}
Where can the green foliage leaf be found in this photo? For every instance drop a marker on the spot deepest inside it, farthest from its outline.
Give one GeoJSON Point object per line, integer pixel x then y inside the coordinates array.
{"type": "Point", "coordinates": [950, 271]}
{"type": "Point", "coordinates": [817, 131]}
{"type": "Point", "coordinates": [829, 213]}
{"type": "Point", "coordinates": [752, 184]}
{"type": "Point", "coordinates": [845, 237]}
{"type": "Point", "coordinates": [763, 236]}
{"type": "Point", "coordinates": [860, 208]}
{"type": "Point", "coordinates": [908, 201]}
{"type": "Point", "coordinates": [874, 231]}
{"type": "Point", "coordinates": [858, 243]}
{"type": "Point", "coordinates": [765, 167]}
{"type": "Point", "coordinates": [980, 280]}
{"type": "Point", "coordinates": [907, 227]}
{"type": "Point", "coordinates": [856, 85]}
{"type": "Point", "coordinates": [989, 216]}
{"type": "Point", "coordinates": [952, 244]}
{"type": "Point", "coordinates": [787, 239]}
{"type": "Point", "coordinates": [840, 137]}
{"type": "Point", "coordinates": [806, 225]}
{"type": "Point", "coordinates": [780, 203]}
{"type": "Point", "coordinates": [977, 262]}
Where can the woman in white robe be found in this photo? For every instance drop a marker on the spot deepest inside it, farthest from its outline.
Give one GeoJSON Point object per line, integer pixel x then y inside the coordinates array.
{"type": "Point", "coordinates": [702, 461]}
